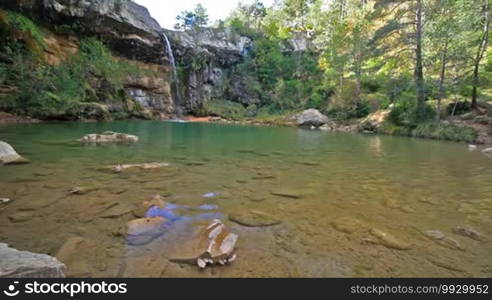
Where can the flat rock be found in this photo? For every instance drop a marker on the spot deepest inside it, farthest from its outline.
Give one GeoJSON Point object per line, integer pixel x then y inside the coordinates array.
{"type": "Point", "coordinates": [468, 232]}
{"type": "Point", "coordinates": [23, 264]}
{"type": "Point", "coordinates": [347, 224]}
{"type": "Point", "coordinates": [20, 217]}
{"type": "Point", "coordinates": [440, 238]}
{"type": "Point", "coordinates": [144, 166]}
{"type": "Point", "coordinates": [109, 137]}
{"type": "Point", "coordinates": [117, 211]}
{"type": "Point", "coordinates": [254, 218]}
{"type": "Point", "coordinates": [8, 156]}
{"type": "Point", "coordinates": [287, 193]}
{"type": "Point", "coordinates": [83, 190]}
{"type": "Point", "coordinates": [143, 231]}
{"type": "Point", "coordinates": [82, 257]}
{"type": "Point", "coordinates": [389, 241]}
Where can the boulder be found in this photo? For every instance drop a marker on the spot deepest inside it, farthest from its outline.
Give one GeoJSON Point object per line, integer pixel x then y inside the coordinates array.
{"type": "Point", "coordinates": [208, 243]}
{"type": "Point", "coordinates": [109, 137]}
{"type": "Point", "coordinates": [311, 118]}
{"type": "Point", "coordinates": [8, 155]}
{"type": "Point", "coordinates": [24, 264]}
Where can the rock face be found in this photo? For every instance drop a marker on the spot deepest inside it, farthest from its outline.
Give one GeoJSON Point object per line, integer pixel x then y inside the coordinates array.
{"type": "Point", "coordinates": [128, 30]}
{"type": "Point", "coordinates": [9, 156]}
{"type": "Point", "coordinates": [311, 117]}
{"type": "Point", "coordinates": [23, 264]}
{"type": "Point", "coordinates": [210, 55]}
{"type": "Point", "coordinates": [109, 137]}
{"type": "Point", "coordinates": [126, 26]}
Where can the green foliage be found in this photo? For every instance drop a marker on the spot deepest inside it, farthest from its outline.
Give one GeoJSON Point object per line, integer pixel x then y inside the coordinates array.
{"type": "Point", "coordinates": [224, 109]}
{"type": "Point", "coordinates": [445, 132]}
{"type": "Point", "coordinates": [57, 91]}
{"type": "Point", "coordinates": [192, 19]}
{"type": "Point", "coordinates": [23, 25]}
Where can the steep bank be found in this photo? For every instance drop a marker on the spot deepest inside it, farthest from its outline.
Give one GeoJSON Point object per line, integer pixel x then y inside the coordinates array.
{"type": "Point", "coordinates": [132, 80]}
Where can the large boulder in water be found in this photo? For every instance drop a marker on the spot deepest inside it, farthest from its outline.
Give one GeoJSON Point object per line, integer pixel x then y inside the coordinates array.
{"type": "Point", "coordinates": [23, 264]}
{"type": "Point", "coordinates": [311, 117]}
{"type": "Point", "coordinates": [9, 156]}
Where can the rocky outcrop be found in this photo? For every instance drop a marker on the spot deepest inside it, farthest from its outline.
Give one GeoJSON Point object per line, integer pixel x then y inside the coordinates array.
{"type": "Point", "coordinates": [209, 56]}
{"type": "Point", "coordinates": [129, 31]}
{"type": "Point", "coordinates": [8, 156]}
{"type": "Point", "coordinates": [108, 137]}
{"type": "Point", "coordinates": [311, 118]}
{"type": "Point", "coordinates": [23, 264]}
{"type": "Point", "coordinates": [82, 257]}
{"type": "Point", "coordinates": [125, 26]}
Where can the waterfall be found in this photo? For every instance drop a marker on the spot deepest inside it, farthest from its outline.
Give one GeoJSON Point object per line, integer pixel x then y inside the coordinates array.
{"type": "Point", "coordinates": [175, 79]}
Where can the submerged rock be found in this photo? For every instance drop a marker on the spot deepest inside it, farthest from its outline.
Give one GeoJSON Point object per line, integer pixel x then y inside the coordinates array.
{"type": "Point", "coordinates": [83, 190]}
{"type": "Point", "coordinates": [5, 200]}
{"type": "Point", "coordinates": [347, 225]}
{"type": "Point", "coordinates": [443, 240]}
{"type": "Point", "coordinates": [286, 193]}
{"type": "Point", "coordinates": [487, 151]}
{"type": "Point", "coordinates": [209, 243]}
{"type": "Point", "coordinates": [82, 257]}
{"type": "Point", "coordinates": [254, 218]}
{"type": "Point", "coordinates": [109, 137]}
{"type": "Point", "coordinates": [311, 117]}
{"type": "Point", "coordinates": [156, 201]}
{"type": "Point", "coordinates": [468, 232]}
{"type": "Point", "coordinates": [143, 231]}
{"type": "Point", "coordinates": [20, 217]}
{"type": "Point", "coordinates": [8, 156]}
{"type": "Point", "coordinates": [389, 240]}
{"type": "Point", "coordinates": [23, 264]}
{"type": "Point", "coordinates": [144, 166]}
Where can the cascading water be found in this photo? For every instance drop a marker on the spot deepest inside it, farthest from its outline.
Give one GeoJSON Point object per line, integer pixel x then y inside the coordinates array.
{"type": "Point", "coordinates": [175, 79]}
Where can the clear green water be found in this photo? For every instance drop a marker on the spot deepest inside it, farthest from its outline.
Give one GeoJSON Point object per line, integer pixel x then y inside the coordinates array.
{"type": "Point", "coordinates": [398, 185]}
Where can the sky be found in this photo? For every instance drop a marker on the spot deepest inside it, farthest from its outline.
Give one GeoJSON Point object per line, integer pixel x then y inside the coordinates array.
{"type": "Point", "coordinates": [165, 11]}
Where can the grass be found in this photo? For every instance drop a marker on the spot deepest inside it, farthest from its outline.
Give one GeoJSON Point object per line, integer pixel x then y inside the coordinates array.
{"type": "Point", "coordinates": [432, 130]}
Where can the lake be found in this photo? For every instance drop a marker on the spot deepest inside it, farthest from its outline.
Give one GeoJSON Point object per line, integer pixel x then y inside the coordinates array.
{"type": "Point", "coordinates": [347, 204]}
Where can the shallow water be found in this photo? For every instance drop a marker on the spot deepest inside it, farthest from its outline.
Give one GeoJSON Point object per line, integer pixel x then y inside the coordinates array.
{"type": "Point", "coordinates": [346, 185]}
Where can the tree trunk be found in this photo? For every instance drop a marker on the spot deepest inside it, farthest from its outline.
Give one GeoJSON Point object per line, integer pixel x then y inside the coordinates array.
{"type": "Point", "coordinates": [419, 72]}
{"type": "Point", "coordinates": [482, 48]}
{"type": "Point", "coordinates": [442, 79]}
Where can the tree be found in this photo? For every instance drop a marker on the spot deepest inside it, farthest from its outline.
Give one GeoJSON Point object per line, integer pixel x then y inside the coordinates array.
{"type": "Point", "coordinates": [419, 69]}
{"type": "Point", "coordinates": [482, 48]}
{"type": "Point", "coordinates": [192, 19]}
